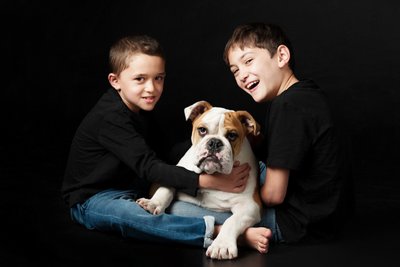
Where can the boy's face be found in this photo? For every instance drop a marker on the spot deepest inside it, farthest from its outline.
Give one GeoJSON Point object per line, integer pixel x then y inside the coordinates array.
{"type": "Point", "coordinates": [256, 72]}
{"type": "Point", "coordinates": [141, 84]}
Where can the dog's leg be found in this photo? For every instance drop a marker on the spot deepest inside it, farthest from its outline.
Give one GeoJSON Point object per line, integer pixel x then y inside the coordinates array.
{"type": "Point", "coordinates": [159, 202]}
{"type": "Point", "coordinates": [244, 215]}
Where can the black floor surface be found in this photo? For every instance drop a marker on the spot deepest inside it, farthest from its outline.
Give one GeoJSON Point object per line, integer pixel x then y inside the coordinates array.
{"type": "Point", "coordinates": [37, 230]}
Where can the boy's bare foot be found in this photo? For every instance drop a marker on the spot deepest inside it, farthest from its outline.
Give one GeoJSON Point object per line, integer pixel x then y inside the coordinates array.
{"type": "Point", "coordinates": [257, 238]}
{"type": "Point", "coordinates": [254, 237]}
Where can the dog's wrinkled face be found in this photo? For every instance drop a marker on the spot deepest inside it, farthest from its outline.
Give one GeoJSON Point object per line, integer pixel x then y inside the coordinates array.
{"type": "Point", "coordinates": [217, 135]}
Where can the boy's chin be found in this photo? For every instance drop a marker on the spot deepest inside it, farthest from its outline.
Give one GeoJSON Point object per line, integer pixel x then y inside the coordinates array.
{"type": "Point", "coordinates": [257, 99]}
{"type": "Point", "coordinates": [148, 107]}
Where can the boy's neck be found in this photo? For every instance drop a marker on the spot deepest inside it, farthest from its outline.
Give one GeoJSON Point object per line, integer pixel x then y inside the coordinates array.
{"type": "Point", "coordinates": [289, 82]}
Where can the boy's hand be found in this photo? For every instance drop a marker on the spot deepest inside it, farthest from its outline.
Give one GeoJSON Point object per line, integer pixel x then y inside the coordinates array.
{"type": "Point", "coordinates": [235, 182]}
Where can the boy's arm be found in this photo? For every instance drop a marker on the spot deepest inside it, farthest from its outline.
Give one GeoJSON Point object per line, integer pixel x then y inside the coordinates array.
{"type": "Point", "coordinates": [273, 191]}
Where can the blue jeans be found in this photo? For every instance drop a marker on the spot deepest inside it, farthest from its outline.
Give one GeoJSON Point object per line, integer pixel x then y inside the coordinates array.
{"type": "Point", "coordinates": [116, 210]}
{"type": "Point", "coordinates": [268, 218]}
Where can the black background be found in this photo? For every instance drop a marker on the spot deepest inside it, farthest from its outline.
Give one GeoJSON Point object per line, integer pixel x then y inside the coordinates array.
{"type": "Point", "coordinates": [54, 66]}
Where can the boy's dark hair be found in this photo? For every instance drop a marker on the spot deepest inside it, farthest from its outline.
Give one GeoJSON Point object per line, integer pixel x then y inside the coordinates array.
{"type": "Point", "coordinates": [127, 46]}
{"type": "Point", "coordinates": [261, 35]}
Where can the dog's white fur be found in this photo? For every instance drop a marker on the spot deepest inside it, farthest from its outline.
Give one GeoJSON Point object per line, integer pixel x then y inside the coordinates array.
{"type": "Point", "coordinates": [218, 141]}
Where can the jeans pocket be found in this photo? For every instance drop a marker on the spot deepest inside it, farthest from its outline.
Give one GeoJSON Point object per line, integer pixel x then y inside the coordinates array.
{"type": "Point", "coordinates": [78, 212]}
{"type": "Point", "coordinates": [75, 213]}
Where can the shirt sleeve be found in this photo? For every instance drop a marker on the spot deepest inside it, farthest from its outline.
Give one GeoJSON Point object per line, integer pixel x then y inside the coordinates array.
{"type": "Point", "coordinates": [121, 137]}
{"type": "Point", "coordinates": [290, 137]}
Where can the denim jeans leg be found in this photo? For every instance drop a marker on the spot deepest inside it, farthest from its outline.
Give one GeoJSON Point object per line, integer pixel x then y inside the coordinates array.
{"type": "Point", "coordinates": [182, 208]}
{"type": "Point", "coordinates": [116, 210]}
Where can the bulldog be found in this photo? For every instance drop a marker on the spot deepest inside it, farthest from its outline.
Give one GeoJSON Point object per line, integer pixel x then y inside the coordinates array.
{"type": "Point", "coordinates": [219, 138]}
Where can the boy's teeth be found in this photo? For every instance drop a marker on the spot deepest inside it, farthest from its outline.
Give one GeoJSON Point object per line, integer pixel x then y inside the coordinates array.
{"type": "Point", "coordinates": [252, 85]}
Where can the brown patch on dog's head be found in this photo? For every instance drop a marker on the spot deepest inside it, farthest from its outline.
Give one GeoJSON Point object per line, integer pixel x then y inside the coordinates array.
{"type": "Point", "coordinates": [194, 113]}
{"type": "Point", "coordinates": [252, 126]}
{"type": "Point", "coordinates": [238, 125]}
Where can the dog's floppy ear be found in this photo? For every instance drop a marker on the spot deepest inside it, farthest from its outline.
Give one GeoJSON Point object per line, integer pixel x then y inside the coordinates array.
{"type": "Point", "coordinates": [249, 122]}
{"type": "Point", "coordinates": [198, 108]}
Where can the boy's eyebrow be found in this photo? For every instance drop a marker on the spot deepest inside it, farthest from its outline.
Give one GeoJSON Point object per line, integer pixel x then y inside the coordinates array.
{"type": "Point", "coordinates": [241, 57]}
{"type": "Point", "coordinates": [146, 74]}
{"type": "Point", "coordinates": [245, 54]}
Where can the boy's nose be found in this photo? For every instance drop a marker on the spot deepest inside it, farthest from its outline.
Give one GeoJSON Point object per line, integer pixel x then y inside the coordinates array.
{"type": "Point", "coordinates": [243, 77]}
{"type": "Point", "coordinates": [150, 86]}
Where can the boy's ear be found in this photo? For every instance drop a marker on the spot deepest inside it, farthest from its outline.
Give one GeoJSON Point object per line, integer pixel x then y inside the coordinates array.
{"type": "Point", "coordinates": [283, 53]}
{"type": "Point", "coordinates": [113, 80]}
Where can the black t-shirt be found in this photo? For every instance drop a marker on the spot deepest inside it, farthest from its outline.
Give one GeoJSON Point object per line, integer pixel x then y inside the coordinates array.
{"type": "Point", "coordinates": [112, 149]}
{"type": "Point", "coordinates": [301, 136]}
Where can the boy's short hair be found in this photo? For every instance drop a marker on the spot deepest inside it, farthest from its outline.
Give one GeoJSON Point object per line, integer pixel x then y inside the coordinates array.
{"type": "Point", "coordinates": [260, 35]}
{"type": "Point", "coordinates": [127, 46]}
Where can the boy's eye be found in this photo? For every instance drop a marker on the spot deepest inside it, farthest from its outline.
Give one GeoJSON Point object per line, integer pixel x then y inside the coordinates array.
{"type": "Point", "coordinates": [160, 78]}
{"type": "Point", "coordinates": [139, 79]}
{"type": "Point", "coordinates": [248, 61]}
{"type": "Point", "coordinates": [202, 131]}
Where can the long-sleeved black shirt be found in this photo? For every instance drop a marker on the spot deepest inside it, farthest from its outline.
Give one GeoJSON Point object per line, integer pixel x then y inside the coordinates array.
{"type": "Point", "coordinates": [111, 149]}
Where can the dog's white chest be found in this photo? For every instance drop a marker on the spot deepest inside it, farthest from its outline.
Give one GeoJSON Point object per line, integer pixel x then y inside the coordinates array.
{"type": "Point", "coordinates": [212, 199]}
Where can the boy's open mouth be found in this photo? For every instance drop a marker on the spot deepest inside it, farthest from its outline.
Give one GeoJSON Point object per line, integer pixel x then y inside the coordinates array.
{"type": "Point", "coordinates": [252, 84]}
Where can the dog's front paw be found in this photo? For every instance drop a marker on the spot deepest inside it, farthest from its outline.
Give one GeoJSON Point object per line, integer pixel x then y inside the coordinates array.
{"type": "Point", "coordinates": [222, 250]}
{"type": "Point", "coordinates": [151, 206]}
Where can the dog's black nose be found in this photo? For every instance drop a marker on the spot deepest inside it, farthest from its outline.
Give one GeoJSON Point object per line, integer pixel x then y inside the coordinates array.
{"type": "Point", "coordinates": [214, 144]}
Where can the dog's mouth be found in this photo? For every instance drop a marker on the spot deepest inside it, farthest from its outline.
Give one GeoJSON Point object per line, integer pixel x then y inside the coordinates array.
{"type": "Point", "coordinates": [209, 158]}
{"type": "Point", "coordinates": [210, 163]}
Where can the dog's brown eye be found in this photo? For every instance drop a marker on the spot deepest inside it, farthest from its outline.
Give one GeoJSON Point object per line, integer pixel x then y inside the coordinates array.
{"type": "Point", "coordinates": [232, 136]}
{"type": "Point", "coordinates": [202, 131]}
